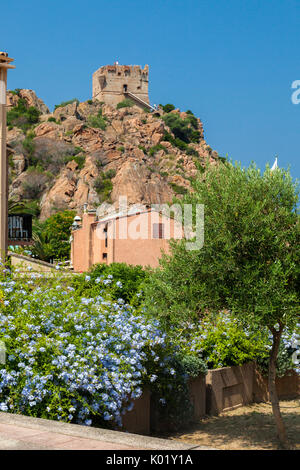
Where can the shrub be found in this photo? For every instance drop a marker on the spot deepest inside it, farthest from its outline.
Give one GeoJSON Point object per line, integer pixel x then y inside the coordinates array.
{"type": "Point", "coordinates": [79, 159]}
{"type": "Point", "coordinates": [110, 174]}
{"type": "Point", "coordinates": [50, 154]}
{"type": "Point", "coordinates": [141, 147]}
{"type": "Point", "coordinates": [180, 144]}
{"type": "Point", "coordinates": [103, 185]}
{"type": "Point", "coordinates": [130, 280]}
{"type": "Point", "coordinates": [156, 148]}
{"type": "Point", "coordinates": [167, 108]}
{"type": "Point", "coordinates": [97, 121]}
{"type": "Point", "coordinates": [34, 184]}
{"type": "Point", "coordinates": [127, 103]}
{"type": "Point", "coordinates": [178, 189]}
{"type": "Point", "coordinates": [183, 128]}
{"type": "Point", "coordinates": [29, 148]}
{"type": "Point", "coordinates": [221, 341]}
{"type": "Point", "coordinates": [54, 234]}
{"type": "Point", "coordinates": [51, 119]}
{"type": "Point", "coordinates": [80, 360]}
{"type": "Point", "coordinates": [22, 116]}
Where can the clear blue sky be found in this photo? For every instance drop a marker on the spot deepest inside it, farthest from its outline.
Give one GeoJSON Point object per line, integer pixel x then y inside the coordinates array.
{"type": "Point", "coordinates": [232, 62]}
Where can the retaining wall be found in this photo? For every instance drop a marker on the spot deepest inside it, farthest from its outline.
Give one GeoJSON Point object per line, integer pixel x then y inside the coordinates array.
{"type": "Point", "coordinates": [220, 390]}
{"type": "Point", "coordinates": [228, 388]}
{"type": "Point", "coordinates": [288, 387]}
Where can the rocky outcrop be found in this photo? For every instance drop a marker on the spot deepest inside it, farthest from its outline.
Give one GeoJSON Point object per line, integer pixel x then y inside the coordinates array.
{"type": "Point", "coordinates": [30, 97]}
{"type": "Point", "coordinates": [91, 160]}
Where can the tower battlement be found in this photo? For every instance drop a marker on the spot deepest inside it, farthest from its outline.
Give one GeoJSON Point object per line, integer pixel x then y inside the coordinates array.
{"type": "Point", "coordinates": [112, 82]}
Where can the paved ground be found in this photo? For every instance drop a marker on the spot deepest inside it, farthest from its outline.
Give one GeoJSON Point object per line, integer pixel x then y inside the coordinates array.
{"type": "Point", "coordinates": [19, 432]}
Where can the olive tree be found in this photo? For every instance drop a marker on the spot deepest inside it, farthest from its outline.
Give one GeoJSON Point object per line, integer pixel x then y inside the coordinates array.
{"type": "Point", "coordinates": [249, 263]}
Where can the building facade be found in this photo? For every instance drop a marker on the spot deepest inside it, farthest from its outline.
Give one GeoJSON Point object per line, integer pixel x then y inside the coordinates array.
{"type": "Point", "coordinates": [136, 238]}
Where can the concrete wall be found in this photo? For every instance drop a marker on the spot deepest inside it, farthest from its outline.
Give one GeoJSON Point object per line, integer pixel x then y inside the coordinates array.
{"type": "Point", "coordinates": [288, 387]}
{"type": "Point", "coordinates": [219, 391]}
{"type": "Point", "coordinates": [110, 82]}
{"type": "Point", "coordinates": [138, 419]}
{"type": "Point", "coordinates": [228, 388]}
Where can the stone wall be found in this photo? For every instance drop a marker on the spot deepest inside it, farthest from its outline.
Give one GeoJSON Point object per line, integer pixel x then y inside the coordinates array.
{"type": "Point", "coordinates": [110, 82]}
{"type": "Point", "coordinates": [24, 262]}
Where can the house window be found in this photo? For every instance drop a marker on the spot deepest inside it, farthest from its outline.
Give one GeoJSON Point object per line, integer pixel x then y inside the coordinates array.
{"type": "Point", "coordinates": [106, 238]}
{"type": "Point", "coordinates": [158, 231]}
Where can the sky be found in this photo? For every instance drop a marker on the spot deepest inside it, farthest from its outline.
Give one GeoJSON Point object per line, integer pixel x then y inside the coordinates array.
{"type": "Point", "coordinates": [232, 62]}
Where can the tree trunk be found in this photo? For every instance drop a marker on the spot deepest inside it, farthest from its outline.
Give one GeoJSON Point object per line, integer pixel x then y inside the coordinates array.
{"type": "Point", "coordinates": [272, 389]}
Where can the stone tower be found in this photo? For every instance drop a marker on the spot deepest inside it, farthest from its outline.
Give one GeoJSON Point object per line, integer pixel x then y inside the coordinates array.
{"type": "Point", "coordinates": [114, 83]}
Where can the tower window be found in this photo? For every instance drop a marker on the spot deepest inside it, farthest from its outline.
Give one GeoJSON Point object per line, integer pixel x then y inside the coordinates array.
{"type": "Point", "coordinates": [125, 88]}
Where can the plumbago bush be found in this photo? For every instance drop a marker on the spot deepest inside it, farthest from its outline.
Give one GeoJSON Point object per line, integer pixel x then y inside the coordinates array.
{"type": "Point", "coordinates": [129, 281]}
{"type": "Point", "coordinates": [79, 359]}
{"type": "Point", "coordinates": [222, 341]}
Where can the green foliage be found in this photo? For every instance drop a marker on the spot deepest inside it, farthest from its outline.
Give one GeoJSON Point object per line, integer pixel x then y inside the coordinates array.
{"type": "Point", "coordinates": [180, 144]}
{"type": "Point", "coordinates": [131, 278]}
{"type": "Point", "coordinates": [183, 129]}
{"type": "Point", "coordinates": [284, 363]}
{"type": "Point", "coordinates": [141, 147]}
{"type": "Point", "coordinates": [152, 151]}
{"type": "Point", "coordinates": [32, 207]}
{"type": "Point", "coordinates": [52, 236]}
{"type": "Point", "coordinates": [250, 261]}
{"type": "Point", "coordinates": [79, 359]}
{"type": "Point", "coordinates": [65, 103]}
{"type": "Point", "coordinates": [167, 108]}
{"type": "Point", "coordinates": [97, 121]}
{"type": "Point", "coordinates": [127, 103]}
{"type": "Point", "coordinates": [15, 92]}
{"type": "Point", "coordinates": [178, 189]}
{"type": "Point", "coordinates": [223, 342]}
{"type": "Point", "coordinates": [52, 119]}
{"type": "Point", "coordinates": [79, 159]}
{"type": "Point", "coordinates": [22, 116]}
{"type": "Point", "coordinates": [29, 148]}
{"type": "Point", "coordinates": [121, 149]}
{"type": "Point", "coordinates": [174, 410]}
{"type": "Point", "coordinates": [103, 185]}
{"type": "Point", "coordinates": [110, 174]}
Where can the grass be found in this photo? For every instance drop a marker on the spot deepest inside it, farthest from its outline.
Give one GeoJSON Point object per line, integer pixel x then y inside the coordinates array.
{"type": "Point", "coordinates": [246, 428]}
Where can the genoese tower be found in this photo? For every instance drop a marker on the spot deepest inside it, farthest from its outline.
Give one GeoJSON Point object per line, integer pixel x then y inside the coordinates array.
{"type": "Point", "coordinates": [114, 83]}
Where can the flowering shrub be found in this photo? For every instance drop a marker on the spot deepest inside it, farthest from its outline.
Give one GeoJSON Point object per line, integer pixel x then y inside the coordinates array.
{"type": "Point", "coordinates": [77, 359]}
{"type": "Point", "coordinates": [129, 286]}
{"type": "Point", "coordinates": [222, 342]}
{"type": "Point", "coordinates": [285, 360]}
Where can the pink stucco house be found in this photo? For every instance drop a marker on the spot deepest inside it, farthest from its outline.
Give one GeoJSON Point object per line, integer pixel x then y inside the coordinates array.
{"type": "Point", "coordinates": [132, 237]}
